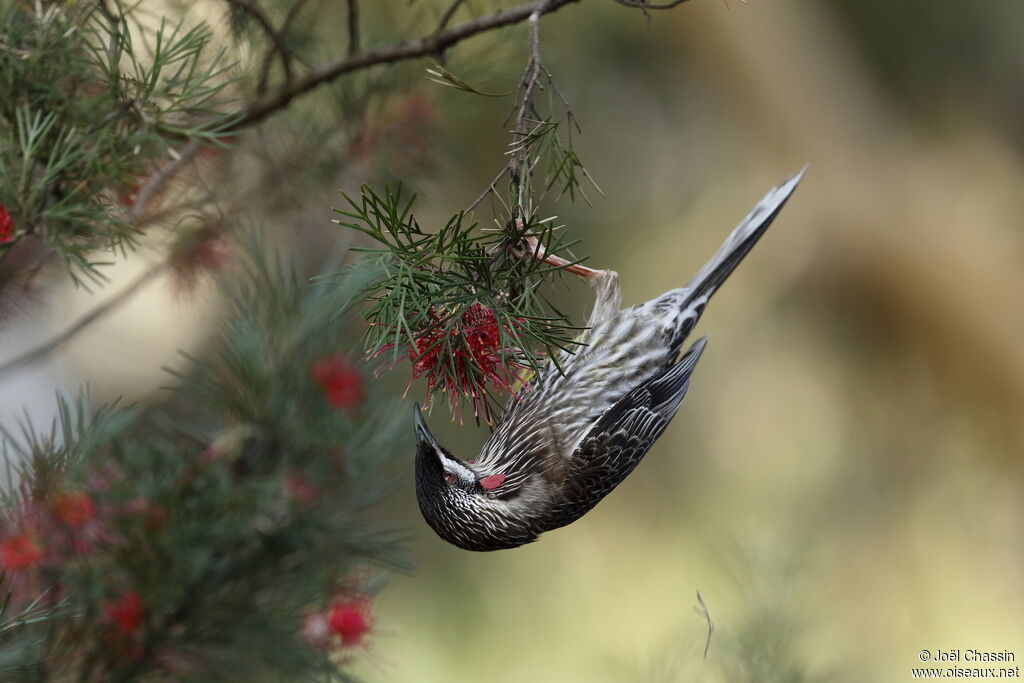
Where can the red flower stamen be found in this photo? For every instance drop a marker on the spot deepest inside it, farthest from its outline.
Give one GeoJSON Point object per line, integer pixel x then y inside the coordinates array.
{"type": "Point", "coordinates": [463, 356]}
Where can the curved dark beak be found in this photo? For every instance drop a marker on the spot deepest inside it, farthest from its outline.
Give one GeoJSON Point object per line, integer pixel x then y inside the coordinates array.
{"type": "Point", "coordinates": [423, 434]}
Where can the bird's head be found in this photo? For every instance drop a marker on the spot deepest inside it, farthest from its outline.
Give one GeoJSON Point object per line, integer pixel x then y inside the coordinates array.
{"type": "Point", "coordinates": [458, 502]}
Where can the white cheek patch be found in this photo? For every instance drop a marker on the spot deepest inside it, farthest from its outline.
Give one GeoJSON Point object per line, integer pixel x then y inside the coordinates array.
{"type": "Point", "coordinates": [457, 469]}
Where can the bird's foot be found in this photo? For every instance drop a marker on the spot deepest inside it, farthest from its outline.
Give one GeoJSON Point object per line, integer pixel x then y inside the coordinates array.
{"type": "Point", "coordinates": [605, 283]}
{"type": "Point", "coordinates": [537, 250]}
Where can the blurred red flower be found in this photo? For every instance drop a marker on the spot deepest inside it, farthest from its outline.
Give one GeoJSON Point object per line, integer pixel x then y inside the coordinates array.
{"type": "Point", "coordinates": [74, 509]}
{"type": "Point", "coordinates": [341, 381]}
{"type": "Point", "coordinates": [126, 613]}
{"type": "Point", "coordinates": [20, 552]}
{"type": "Point", "coordinates": [350, 620]}
{"type": "Point", "coordinates": [6, 225]}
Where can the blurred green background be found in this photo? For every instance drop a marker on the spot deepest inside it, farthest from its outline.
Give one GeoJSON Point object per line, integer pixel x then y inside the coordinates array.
{"type": "Point", "coordinates": [843, 484]}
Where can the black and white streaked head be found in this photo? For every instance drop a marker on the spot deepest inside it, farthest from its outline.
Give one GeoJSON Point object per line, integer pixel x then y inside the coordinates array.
{"type": "Point", "coordinates": [573, 435]}
{"type": "Point", "coordinates": [463, 505]}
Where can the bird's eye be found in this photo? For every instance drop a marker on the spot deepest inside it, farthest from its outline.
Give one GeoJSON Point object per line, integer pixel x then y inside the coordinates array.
{"type": "Point", "coordinates": [449, 477]}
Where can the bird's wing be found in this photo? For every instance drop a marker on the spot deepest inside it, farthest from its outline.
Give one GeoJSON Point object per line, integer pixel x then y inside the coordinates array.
{"type": "Point", "coordinates": [622, 436]}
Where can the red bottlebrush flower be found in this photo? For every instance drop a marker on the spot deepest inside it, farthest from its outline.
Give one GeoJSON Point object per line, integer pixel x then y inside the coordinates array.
{"type": "Point", "coordinates": [126, 614]}
{"type": "Point", "coordinates": [480, 328]}
{"type": "Point", "coordinates": [20, 552]}
{"type": "Point", "coordinates": [6, 225]}
{"type": "Point", "coordinates": [341, 381]}
{"type": "Point", "coordinates": [74, 509]}
{"type": "Point", "coordinates": [350, 620]}
{"type": "Point", "coordinates": [463, 356]}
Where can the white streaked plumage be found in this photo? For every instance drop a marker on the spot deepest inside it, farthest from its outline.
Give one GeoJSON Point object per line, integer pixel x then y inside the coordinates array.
{"type": "Point", "coordinates": [575, 434]}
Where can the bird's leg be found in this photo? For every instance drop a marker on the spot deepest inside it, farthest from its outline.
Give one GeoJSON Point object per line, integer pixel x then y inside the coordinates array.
{"type": "Point", "coordinates": [538, 251]}
{"type": "Point", "coordinates": [607, 296]}
{"type": "Point", "coordinates": [605, 283]}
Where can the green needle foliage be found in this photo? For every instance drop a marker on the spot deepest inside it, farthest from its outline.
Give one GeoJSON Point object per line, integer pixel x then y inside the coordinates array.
{"type": "Point", "coordinates": [195, 540]}
{"type": "Point", "coordinates": [441, 288]}
{"type": "Point", "coordinates": [93, 98]}
{"type": "Point", "coordinates": [466, 304]}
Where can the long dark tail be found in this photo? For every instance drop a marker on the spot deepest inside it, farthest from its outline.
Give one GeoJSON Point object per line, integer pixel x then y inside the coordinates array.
{"type": "Point", "coordinates": [740, 242]}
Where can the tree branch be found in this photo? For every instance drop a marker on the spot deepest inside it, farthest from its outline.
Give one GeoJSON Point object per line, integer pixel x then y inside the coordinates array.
{"type": "Point", "coordinates": [645, 5]}
{"type": "Point", "coordinates": [161, 176]}
{"type": "Point", "coordinates": [519, 162]}
{"type": "Point", "coordinates": [353, 27]}
{"type": "Point", "coordinates": [421, 47]}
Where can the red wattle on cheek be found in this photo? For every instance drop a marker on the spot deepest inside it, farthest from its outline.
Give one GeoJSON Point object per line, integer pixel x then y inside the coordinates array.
{"type": "Point", "coordinates": [492, 482]}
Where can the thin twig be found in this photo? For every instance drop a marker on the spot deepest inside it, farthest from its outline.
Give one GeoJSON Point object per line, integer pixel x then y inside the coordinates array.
{"type": "Point", "coordinates": [449, 13]}
{"type": "Point", "coordinates": [430, 44]}
{"type": "Point", "coordinates": [264, 21]}
{"type": "Point", "coordinates": [293, 12]}
{"type": "Point", "coordinates": [353, 27]}
{"type": "Point", "coordinates": [490, 189]}
{"type": "Point", "coordinates": [161, 176]}
{"type": "Point", "coordinates": [519, 161]}
{"type": "Point", "coordinates": [645, 5]}
{"type": "Point", "coordinates": [45, 349]}
{"type": "Point", "coordinates": [703, 611]}
{"type": "Point", "coordinates": [268, 59]}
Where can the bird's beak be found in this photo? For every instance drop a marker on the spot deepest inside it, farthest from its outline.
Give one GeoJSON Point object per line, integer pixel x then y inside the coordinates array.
{"type": "Point", "coordinates": [423, 434]}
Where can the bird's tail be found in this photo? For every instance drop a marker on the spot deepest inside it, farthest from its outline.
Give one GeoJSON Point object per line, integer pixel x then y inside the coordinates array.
{"type": "Point", "coordinates": [740, 242]}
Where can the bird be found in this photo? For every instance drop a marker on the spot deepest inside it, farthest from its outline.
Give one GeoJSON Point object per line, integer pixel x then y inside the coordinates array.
{"type": "Point", "coordinates": [584, 423]}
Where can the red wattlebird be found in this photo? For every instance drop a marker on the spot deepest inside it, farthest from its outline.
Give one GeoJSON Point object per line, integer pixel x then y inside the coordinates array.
{"type": "Point", "coordinates": [574, 434]}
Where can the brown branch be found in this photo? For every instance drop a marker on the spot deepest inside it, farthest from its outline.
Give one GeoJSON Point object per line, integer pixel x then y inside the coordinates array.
{"type": "Point", "coordinates": [413, 49]}
{"type": "Point", "coordinates": [519, 162]}
{"type": "Point", "coordinates": [161, 176]}
{"type": "Point", "coordinates": [644, 5]}
{"type": "Point", "coordinates": [353, 27]}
